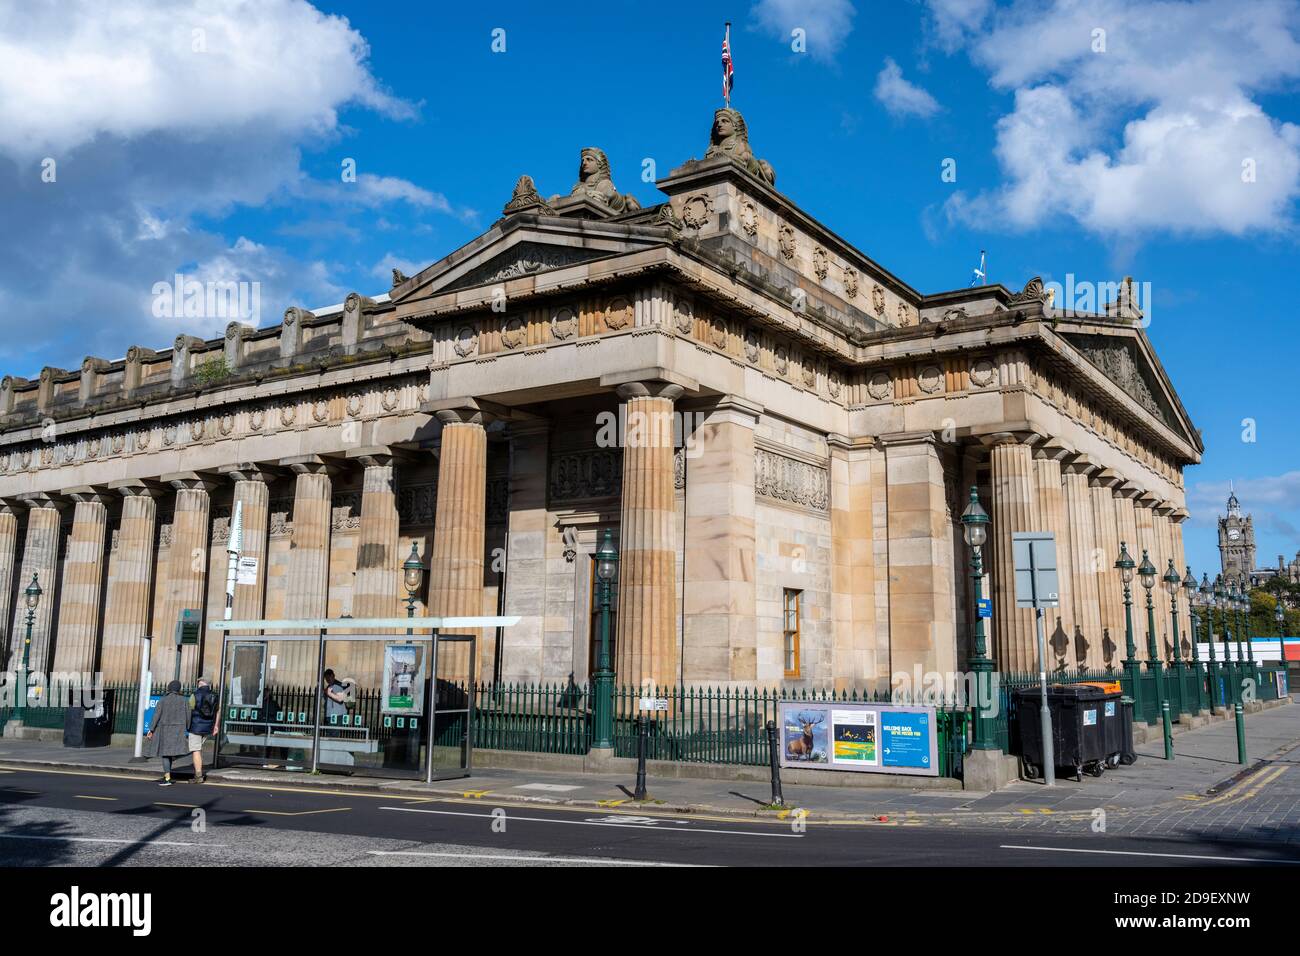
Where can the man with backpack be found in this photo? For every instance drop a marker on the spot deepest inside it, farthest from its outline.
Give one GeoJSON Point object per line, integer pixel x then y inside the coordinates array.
{"type": "Point", "coordinates": [203, 724]}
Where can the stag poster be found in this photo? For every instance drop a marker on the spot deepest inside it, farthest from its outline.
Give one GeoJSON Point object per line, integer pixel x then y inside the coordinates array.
{"type": "Point", "coordinates": [806, 735]}
{"type": "Point", "coordinates": [403, 679]}
{"type": "Point", "coordinates": [855, 737]}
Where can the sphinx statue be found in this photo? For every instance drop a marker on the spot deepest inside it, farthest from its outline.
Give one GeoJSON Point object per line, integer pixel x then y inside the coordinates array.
{"type": "Point", "coordinates": [730, 138]}
{"type": "Point", "coordinates": [594, 183]}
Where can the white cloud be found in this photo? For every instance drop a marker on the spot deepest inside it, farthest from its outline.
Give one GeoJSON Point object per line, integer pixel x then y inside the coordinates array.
{"type": "Point", "coordinates": [826, 23]}
{"type": "Point", "coordinates": [154, 140]}
{"type": "Point", "coordinates": [1152, 125]}
{"type": "Point", "coordinates": [953, 20]}
{"type": "Point", "coordinates": [900, 97]}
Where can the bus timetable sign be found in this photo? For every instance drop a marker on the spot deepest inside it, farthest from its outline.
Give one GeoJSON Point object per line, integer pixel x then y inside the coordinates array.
{"type": "Point", "coordinates": [187, 627]}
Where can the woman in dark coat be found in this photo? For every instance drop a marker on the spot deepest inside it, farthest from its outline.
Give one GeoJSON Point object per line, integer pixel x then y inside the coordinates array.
{"type": "Point", "coordinates": [166, 737]}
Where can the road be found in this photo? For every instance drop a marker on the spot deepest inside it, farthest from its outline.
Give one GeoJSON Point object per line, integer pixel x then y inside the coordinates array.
{"type": "Point", "coordinates": [67, 817]}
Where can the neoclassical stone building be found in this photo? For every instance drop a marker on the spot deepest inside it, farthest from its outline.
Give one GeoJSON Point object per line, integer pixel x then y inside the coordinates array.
{"type": "Point", "coordinates": [800, 526]}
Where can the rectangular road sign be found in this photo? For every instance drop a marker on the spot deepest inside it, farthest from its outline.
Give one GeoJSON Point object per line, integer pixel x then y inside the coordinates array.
{"type": "Point", "coordinates": [1035, 557]}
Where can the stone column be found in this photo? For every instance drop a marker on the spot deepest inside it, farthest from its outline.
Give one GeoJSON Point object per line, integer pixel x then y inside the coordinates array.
{"type": "Point", "coordinates": [130, 583]}
{"type": "Point", "coordinates": [856, 657]}
{"type": "Point", "coordinates": [1058, 622]}
{"type": "Point", "coordinates": [377, 586]}
{"type": "Point", "coordinates": [922, 633]}
{"type": "Point", "coordinates": [1014, 508]}
{"type": "Point", "coordinates": [525, 652]}
{"type": "Point", "coordinates": [254, 496]}
{"type": "Point", "coordinates": [40, 557]}
{"type": "Point", "coordinates": [720, 634]}
{"type": "Point", "coordinates": [1110, 589]}
{"type": "Point", "coordinates": [1086, 558]}
{"type": "Point", "coordinates": [187, 575]}
{"type": "Point", "coordinates": [1161, 558]}
{"type": "Point", "coordinates": [456, 565]}
{"type": "Point", "coordinates": [83, 578]}
{"type": "Point", "coordinates": [646, 648]}
{"type": "Point", "coordinates": [9, 558]}
{"type": "Point", "coordinates": [1176, 519]}
{"type": "Point", "coordinates": [306, 582]}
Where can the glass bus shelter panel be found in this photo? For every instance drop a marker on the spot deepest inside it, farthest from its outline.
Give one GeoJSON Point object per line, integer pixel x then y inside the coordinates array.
{"type": "Point", "coordinates": [452, 743]}
{"type": "Point", "coordinates": [269, 701]}
{"type": "Point", "coordinates": [376, 705]}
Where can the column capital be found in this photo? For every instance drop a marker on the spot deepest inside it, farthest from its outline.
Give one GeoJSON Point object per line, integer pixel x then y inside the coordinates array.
{"type": "Point", "coordinates": [191, 481]}
{"type": "Point", "coordinates": [1163, 508]}
{"type": "Point", "coordinates": [839, 442]}
{"type": "Point", "coordinates": [993, 439]}
{"type": "Point", "coordinates": [1054, 449]}
{"type": "Point", "coordinates": [1106, 478]}
{"type": "Point", "coordinates": [1147, 499]}
{"type": "Point", "coordinates": [1179, 515]}
{"type": "Point", "coordinates": [465, 410]}
{"type": "Point", "coordinates": [897, 439]}
{"type": "Point", "coordinates": [657, 382]}
{"type": "Point", "coordinates": [96, 494]}
{"type": "Point", "coordinates": [310, 465]}
{"type": "Point", "coordinates": [43, 499]}
{"type": "Point", "coordinates": [250, 471]}
{"type": "Point", "coordinates": [1127, 489]}
{"type": "Point", "coordinates": [1081, 465]}
{"type": "Point", "coordinates": [666, 390]}
{"type": "Point", "coordinates": [377, 456]}
{"type": "Point", "coordinates": [137, 487]}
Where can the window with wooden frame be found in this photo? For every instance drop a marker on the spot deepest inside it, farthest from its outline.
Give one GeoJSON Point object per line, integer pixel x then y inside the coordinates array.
{"type": "Point", "coordinates": [790, 631]}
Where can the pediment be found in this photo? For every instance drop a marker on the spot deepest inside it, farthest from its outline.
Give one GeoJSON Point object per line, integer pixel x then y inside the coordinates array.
{"type": "Point", "coordinates": [1126, 361]}
{"type": "Point", "coordinates": [523, 246]}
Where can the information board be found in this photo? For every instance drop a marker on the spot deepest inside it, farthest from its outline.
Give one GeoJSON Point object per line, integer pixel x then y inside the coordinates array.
{"type": "Point", "coordinates": [872, 738]}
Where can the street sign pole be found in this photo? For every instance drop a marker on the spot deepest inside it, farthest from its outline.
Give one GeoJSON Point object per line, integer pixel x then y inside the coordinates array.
{"type": "Point", "coordinates": [146, 687]}
{"type": "Point", "coordinates": [1044, 715]}
{"type": "Point", "coordinates": [1037, 587]}
{"type": "Point", "coordinates": [233, 547]}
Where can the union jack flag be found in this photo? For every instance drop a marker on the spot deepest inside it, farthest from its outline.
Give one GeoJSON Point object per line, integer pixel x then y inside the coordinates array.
{"type": "Point", "coordinates": [728, 73]}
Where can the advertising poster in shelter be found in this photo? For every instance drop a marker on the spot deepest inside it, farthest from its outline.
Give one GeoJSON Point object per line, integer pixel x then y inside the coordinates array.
{"type": "Point", "coordinates": [855, 737]}
{"type": "Point", "coordinates": [805, 735]}
{"type": "Point", "coordinates": [247, 673]}
{"type": "Point", "coordinates": [403, 679]}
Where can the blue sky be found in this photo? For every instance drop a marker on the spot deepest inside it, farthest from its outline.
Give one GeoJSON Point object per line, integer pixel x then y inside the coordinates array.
{"type": "Point", "coordinates": [209, 139]}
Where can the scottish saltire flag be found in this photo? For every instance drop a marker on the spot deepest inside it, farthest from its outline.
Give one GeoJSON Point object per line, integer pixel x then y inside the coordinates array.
{"type": "Point", "coordinates": [728, 74]}
{"type": "Point", "coordinates": [979, 278]}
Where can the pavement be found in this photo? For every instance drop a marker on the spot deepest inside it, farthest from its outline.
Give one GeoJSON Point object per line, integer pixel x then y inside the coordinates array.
{"type": "Point", "coordinates": [1203, 790]}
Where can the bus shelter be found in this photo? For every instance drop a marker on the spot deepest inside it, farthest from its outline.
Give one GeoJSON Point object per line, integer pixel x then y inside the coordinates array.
{"type": "Point", "coordinates": [390, 697]}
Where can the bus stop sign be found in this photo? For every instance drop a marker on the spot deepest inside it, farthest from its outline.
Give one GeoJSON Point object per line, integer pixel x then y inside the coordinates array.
{"type": "Point", "coordinates": [1036, 581]}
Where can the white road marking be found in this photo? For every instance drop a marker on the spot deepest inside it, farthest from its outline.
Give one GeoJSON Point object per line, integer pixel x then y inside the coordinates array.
{"type": "Point", "coordinates": [525, 859]}
{"type": "Point", "coordinates": [72, 839]}
{"type": "Point", "coordinates": [1175, 856]}
{"type": "Point", "coordinates": [586, 823]}
{"type": "Point", "coordinates": [555, 787]}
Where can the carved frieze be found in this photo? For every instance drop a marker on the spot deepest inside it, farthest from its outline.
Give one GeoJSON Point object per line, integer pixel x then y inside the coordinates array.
{"type": "Point", "coordinates": [466, 343]}
{"type": "Point", "coordinates": [524, 259]}
{"type": "Point", "coordinates": [592, 473]}
{"type": "Point", "coordinates": [696, 211]}
{"type": "Point", "coordinates": [880, 386]}
{"type": "Point", "coordinates": [751, 346]}
{"type": "Point", "coordinates": [850, 282]}
{"type": "Point", "coordinates": [791, 481]}
{"type": "Point", "coordinates": [785, 240]}
{"type": "Point", "coordinates": [512, 332]}
{"type": "Point", "coordinates": [618, 314]}
{"type": "Point", "coordinates": [930, 379]}
{"type": "Point", "coordinates": [564, 324]}
{"type": "Point", "coordinates": [683, 315]}
{"type": "Point", "coordinates": [821, 262]}
{"type": "Point", "coordinates": [749, 218]}
{"type": "Point", "coordinates": [983, 373]}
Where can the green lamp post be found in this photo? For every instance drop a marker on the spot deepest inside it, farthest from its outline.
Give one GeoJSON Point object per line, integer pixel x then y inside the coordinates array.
{"type": "Point", "coordinates": [603, 684]}
{"type": "Point", "coordinates": [32, 595]}
{"type": "Point", "coordinates": [1221, 603]}
{"type": "Point", "coordinates": [1189, 589]}
{"type": "Point", "coordinates": [1245, 630]}
{"type": "Point", "coordinates": [1279, 616]}
{"type": "Point", "coordinates": [975, 531]}
{"type": "Point", "coordinates": [1173, 582]}
{"type": "Point", "coordinates": [1238, 633]}
{"type": "Point", "coordinates": [1132, 666]}
{"type": "Point", "coordinates": [412, 575]}
{"type": "Point", "coordinates": [1207, 603]}
{"type": "Point", "coordinates": [1147, 575]}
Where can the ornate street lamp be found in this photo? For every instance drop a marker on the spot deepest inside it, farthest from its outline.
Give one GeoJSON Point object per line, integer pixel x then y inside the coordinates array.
{"type": "Point", "coordinates": [1132, 666]}
{"type": "Point", "coordinates": [1173, 583]}
{"type": "Point", "coordinates": [1279, 616]}
{"type": "Point", "coordinates": [975, 531]}
{"type": "Point", "coordinates": [603, 685]}
{"type": "Point", "coordinates": [1207, 602]}
{"type": "Point", "coordinates": [1147, 575]}
{"type": "Point", "coordinates": [1245, 628]}
{"type": "Point", "coordinates": [32, 595]}
{"type": "Point", "coordinates": [412, 575]}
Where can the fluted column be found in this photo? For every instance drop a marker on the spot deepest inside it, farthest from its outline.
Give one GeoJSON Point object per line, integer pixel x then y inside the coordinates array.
{"type": "Point", "coordinates": [1058, 622]}
{"type": "Point", "coordinates": [253, 495]}
{"type": "Point", "coordinates": [1164, 542]}
{"type": "Point", "coordinates": [456, 564]}
{"type": "Point", "coordinates": [83, 578]}
{"type": "Point", "coordinates": [40, 557]}
{"type": "Point", "coordinates": [646, 647]}
{"type": "Point", "coordinates": [306, 581]}
{"type": "Point", "coordinates": [1014, 508]}
{"type": "Point", "coordinates": [1176, 520]}
{"type": "Point", "coordinates": [130, 583]}
{"type": "Point", "coordinates": [525, 651]}
{"type": "Point", "coordinates": [376, 589]}
{"type": "Point", "coordinates": [1109, 587]}
{"type": "Point", "coordinates": [1085, 559]}
{"type": "Point", "coordinates": [187, 574]}
{"type": "Point", "coordinates": [9, 558]}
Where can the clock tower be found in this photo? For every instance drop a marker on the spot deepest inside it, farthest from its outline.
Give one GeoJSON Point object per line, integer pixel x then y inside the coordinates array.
{"type": "Point", "coordinates": [1236, 542]}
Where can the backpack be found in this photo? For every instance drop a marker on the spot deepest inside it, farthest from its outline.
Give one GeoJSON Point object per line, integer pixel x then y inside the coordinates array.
{"type": "Point", "coordinates": [205, 706]}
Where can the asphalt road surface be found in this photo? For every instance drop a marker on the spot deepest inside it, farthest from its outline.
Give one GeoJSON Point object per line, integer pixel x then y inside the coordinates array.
{"type": "Point", "coordinates": [52, 817]}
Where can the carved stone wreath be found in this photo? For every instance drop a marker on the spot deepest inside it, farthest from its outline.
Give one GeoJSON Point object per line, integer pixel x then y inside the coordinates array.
{"type": "Point", "coordinates": [930, 380]}
{"type": "Point", "coordinates": [696, 210]}
{"type": "Point", "coordinates": [141, 441]}
{"type": "Point", "coordinates": [821, 262]}
{"type": "Point", "coordinates": [833, 383]}
{"type": "Point", "coordinates": [512, 333]}
{"type": "Point", "coordinates": [119, 442]}
{"type": "Point", "coordinates": [785, 240]}
{"type": "Point", "coordinates": [389, 399]}
{"type": "Point", "coordinates": [354, 404]}
{"type": "Point", "coordinates": [751, 346]}
{"type": "Point", "coordinates": [288, 414]}
{"type": "Point", "coordinates": [466, 341]}
{"type": "Point", "coordinates": [880, 386]}
{"type": "Point", "coordinates": [850, 282]}
{"type": "Point", "coordinates": [904, 316]}
{"type": "Point", "coordinates": [983, 373]}
{"type": "Point", "coordinates": [878, 299]}
{"type": "Point", "coordinates": [749, 219]}
{"type": "Point", "coordinates": [226, 423]}
{"type": "Point", "coordinates": [256, 419]}
{"type": "Point", "coordinates": [718, 331]}
{"type": "Point", "coordinates": [684, 316]}
{"type": "Point", "coordinates": [782, 359]}
{"type": "Point", "coordinates": [320, 409]}
{"type": "Point", "coordinates": [564, 324]}
{"type": "Point", "coordinates": [809, 373]}
{"type": "Point", "coordinates": [92, 445]}
{"type": "Point", "coordinates": [619, 313]}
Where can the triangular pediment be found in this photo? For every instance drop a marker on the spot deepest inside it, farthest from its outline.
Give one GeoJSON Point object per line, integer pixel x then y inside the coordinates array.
{"type": "Point", "coordinates": [522, 246]}
{"type": "Point", "coordinates": [1129, 363]}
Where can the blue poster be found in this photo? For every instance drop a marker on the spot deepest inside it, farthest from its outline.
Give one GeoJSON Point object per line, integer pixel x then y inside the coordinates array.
{"type": "Point", "coordinates": [149, 708]}
{"type": "Point", "coordinates": [905, 739]}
